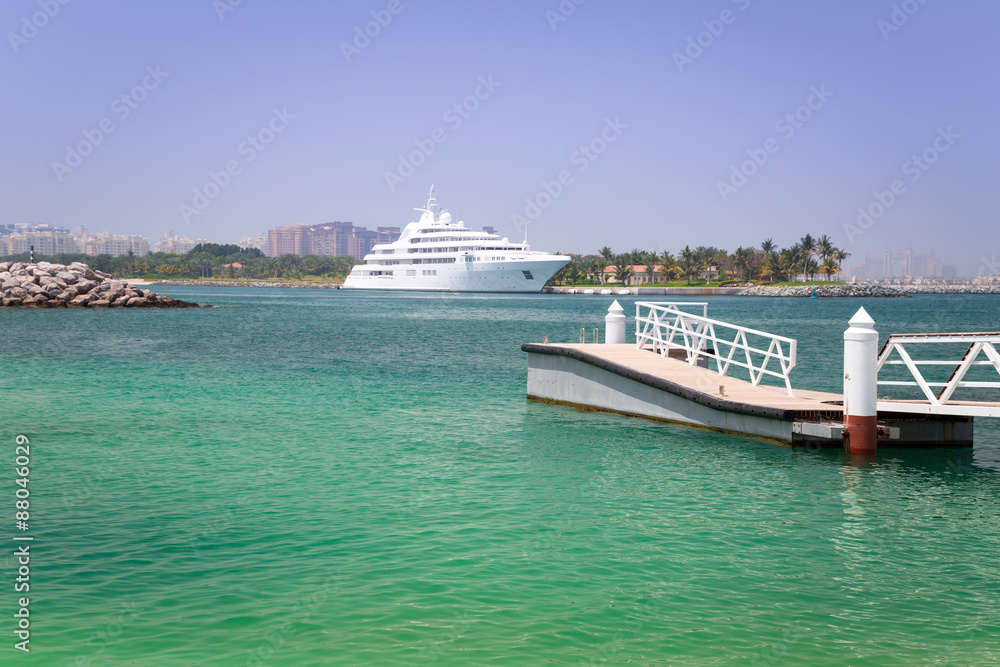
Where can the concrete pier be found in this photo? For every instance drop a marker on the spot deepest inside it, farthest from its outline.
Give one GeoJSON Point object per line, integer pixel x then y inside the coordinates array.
{"type": "Point", "coordinates": [639, 382]}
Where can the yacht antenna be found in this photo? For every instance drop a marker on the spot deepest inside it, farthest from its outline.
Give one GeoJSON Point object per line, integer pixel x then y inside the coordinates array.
{"type": "Point", "coordinates": [525, 242]}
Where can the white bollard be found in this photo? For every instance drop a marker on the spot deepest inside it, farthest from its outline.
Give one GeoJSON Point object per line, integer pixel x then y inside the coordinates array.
{"type": "Point", "coordinates": [860, 384]}
{"type": "Point", "coordinates": [614, 325]}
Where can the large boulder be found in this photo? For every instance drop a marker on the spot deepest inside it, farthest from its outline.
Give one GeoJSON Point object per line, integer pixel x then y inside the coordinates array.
{"type": "Point", "coordinates": [34, 301]}
{"type": "Point", "coordinates": [137, 302]}
{"type": "Point", "coordinates": [79, 301]}
{"type": "Point", "coordinates": [4, 266]}
{"type": "Point", "coordinates": [100, 303]}
{"type": "Point", "coordinates": [68, 277]}
{"type": "Point", "coordinates": [9, 301]}
{"type": "Point", "coordinates": [17, 292]}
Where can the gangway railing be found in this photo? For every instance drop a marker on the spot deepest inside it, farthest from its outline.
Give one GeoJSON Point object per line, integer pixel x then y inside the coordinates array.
{"type": "Point", "coordinates": [942, 401]}
{"type": "Point", "coordinates": [665, 326]}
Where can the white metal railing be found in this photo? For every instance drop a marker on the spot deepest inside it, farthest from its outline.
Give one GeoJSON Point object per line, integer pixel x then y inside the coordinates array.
{"type": "Point", "coordinates": [665, 326]}
{"type": "Point", "coordinates": [978, 344]}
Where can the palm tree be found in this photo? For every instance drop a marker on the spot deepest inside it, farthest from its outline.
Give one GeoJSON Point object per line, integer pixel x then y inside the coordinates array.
{"type": "Point", "coordinates": [289, 263]}
{"type": "Point", "coordinates": [830, 266]}
{"type": "Point", "coordinates": [606, 253]}
{"type": "Point", "coordinates": [598, 265]}
{"type": "Point", "coordinates": [650, 270]}
{"type": "Point", "coordinates": [788, 259]}
{"type": "Point", "coordinates": [808, 245]}
{"type": "Point", "coordinates": [824, 247]}
{"type": "Point", "coordinates": [623, 270]}
{"type": "Point", "coordinates": [812, 266]}
{"type": "Point", "coordinates": [774, 266]}
{"type": "Point", "coordinates": [690, 265]}
{"type": "Point", "coordinates": [767, 246]}
{"type": "Point", "coordinates": [840, 256]}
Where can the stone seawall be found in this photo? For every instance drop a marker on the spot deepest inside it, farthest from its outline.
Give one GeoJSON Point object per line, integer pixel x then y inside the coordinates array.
{"type": "Point", "coordinates": [45, 285]}
{"type": "Point", "coordinates": [824, 291]}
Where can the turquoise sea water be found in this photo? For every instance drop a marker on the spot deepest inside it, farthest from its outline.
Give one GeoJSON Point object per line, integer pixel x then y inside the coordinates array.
{"type": "Point", "coordinates": [312, 477]}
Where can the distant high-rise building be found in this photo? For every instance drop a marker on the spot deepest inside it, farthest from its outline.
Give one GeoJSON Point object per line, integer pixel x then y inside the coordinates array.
{"type": "Point", "coordinates": [388, 234]}
{"type": "Point", "coordinates": [328, 238]}
{"type": "Point", "coordinates": [904, 264]}
{"type": "Point", "coordinates": [365, 240]}
{"type": "Point", "coordinates": [177, 245]}
{"type": "Point", "coordinates": [292, 240]}
{"type": "Point", "coordinates": [45, 243]}
{"type": "Point", "coordinates": [259, 242]}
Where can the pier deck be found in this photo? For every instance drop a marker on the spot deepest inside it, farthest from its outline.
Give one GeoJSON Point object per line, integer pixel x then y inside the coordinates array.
{"type": "Point", "coordinates": [638, 382]}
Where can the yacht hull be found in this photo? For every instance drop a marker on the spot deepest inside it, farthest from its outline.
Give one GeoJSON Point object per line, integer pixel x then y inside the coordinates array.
{"type": "Point", "coordinates": [506, 277]}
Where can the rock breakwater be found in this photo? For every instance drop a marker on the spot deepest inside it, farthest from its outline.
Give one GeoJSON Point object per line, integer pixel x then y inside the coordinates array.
{"type": "Point", "coordinates": [824, 291]}
{"type": "Point", "coordinates": [951, 289]}
{"type": "Point", "coordinates": [45, 285]}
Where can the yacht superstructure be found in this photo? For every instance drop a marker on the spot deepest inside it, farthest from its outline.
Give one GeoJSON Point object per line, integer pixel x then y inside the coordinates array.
{"type": "Point", "coordinates": [437, 254]}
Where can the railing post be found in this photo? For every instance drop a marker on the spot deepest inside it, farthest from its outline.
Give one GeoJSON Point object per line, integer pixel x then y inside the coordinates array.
{"type": "Point", "coordinates": [614, 325]}
{"type": "Point", "coordinates": [860, 384]}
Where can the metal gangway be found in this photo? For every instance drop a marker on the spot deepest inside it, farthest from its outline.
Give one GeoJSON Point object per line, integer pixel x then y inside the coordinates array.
{"type": "Point", "coordinates": [665, 326]}
{"type": "Point", "coordinates": [942, 401]}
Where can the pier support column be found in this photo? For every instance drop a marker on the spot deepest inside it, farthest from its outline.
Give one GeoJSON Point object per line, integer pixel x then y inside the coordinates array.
{"type": "Point", "coordinates": [614, 325]}
{"type": "Point", "coordinates": [860, 384]}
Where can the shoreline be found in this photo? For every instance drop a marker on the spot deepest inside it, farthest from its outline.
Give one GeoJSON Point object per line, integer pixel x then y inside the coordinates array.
{"type": "Point", "coordinates": [785, 291]}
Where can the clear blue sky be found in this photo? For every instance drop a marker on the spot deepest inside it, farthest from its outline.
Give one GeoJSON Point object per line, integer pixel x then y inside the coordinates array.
{"type": "Point", "coordinates": [678, 126]}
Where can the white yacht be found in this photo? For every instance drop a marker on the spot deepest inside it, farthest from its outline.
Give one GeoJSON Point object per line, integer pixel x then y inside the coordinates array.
{"type": "Point", "coordinates": [436, 254]}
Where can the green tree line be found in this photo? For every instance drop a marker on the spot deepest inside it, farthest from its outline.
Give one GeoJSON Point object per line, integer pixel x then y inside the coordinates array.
{"type": "Point", "coordinates": [768, 263]}
{"type": "Point", "coordinates": [208, 260]}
